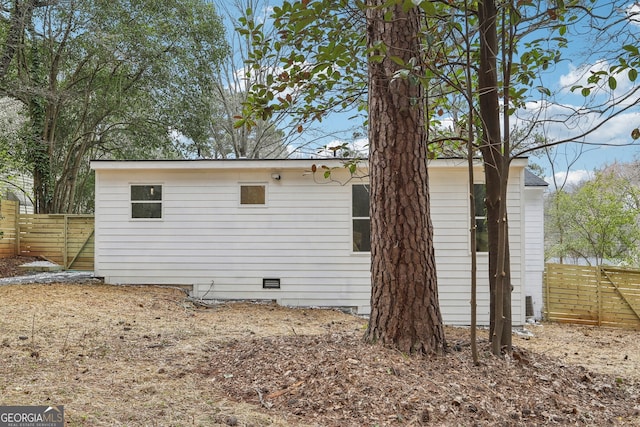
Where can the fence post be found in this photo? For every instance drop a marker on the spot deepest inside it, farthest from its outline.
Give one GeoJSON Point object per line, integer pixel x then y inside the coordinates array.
{"type": "Point", "coordinates": [18, 232]}
{"type": "Point", "coordinates": [16, 229]}
{"type": "Point", "coordinates": [66, 242]}
{"type": "Point", "coordinates": [599, 293]}
{"type": "Point", "coordinates": [545, 283]}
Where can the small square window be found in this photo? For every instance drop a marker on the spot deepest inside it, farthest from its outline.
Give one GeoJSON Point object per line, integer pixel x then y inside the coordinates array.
{"type": "Point", "coordinates": [146, 201]}
{"type": "Point", "coordinates": [253, 194]}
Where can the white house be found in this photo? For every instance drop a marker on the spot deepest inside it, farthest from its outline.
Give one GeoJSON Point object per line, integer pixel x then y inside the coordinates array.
{"type": "Point", "coordinates": [534, 240]}
{"type": "Point", "coordinates": [18, 187]}
{"type": "Point", "coordinates": [279, 230]}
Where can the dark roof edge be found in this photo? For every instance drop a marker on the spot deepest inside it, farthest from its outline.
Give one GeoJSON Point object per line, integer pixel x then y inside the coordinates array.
{"type": "Point", "coordinates": [533, 180]}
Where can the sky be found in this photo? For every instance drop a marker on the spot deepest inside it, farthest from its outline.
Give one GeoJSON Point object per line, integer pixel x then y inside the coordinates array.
{"type": "Point", "coordinates": [586, 54]}
{"type": "Point", "coordinates": [610, 139]}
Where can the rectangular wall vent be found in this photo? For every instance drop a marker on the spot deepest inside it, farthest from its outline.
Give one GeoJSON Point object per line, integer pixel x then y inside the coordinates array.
{"type": "Point", "coordinates": [271, 283]}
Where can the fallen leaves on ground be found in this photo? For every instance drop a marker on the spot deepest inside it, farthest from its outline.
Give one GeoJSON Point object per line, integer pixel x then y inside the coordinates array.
{"type": "Point", "coordinates": [9, 267]}
{"type": "Point", "coordinates": [136, 356]}
{"type": "Point", "coordinates": [336, 379]}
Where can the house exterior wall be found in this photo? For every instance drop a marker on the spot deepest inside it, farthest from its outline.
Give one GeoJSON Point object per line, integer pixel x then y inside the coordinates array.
{"type": "Point", "coordinates": [534, 238]}
{"type": "Point", "coordinates": [302, 236]}
{"type": "Point", "coordinates": [450, 215]}
{"type": "Point", "coordinates": [18, 187]}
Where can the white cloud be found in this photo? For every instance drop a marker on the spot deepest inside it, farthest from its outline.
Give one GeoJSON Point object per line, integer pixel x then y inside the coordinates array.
{"type": "Point", "coordinates": [263, 15]}
{"type": "Point", "coordinates": [579, 76]}
{"type": "Point", "coordinates": [358, 147]}
{"type": "Point", "coordinates": [569, 178]}
{"type": "Point", "coordinates": [617, 130]}
{"type": "Point", "coordinates": [633, 13]}
{"type": "Point", "coordinates": [361, 145]}
{"type": "Point", "coordinates": [565, 121]}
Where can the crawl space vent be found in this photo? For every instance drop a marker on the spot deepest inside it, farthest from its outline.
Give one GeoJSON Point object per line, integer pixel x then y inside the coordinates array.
{"type": "Point", "coordinates": [271, 283]}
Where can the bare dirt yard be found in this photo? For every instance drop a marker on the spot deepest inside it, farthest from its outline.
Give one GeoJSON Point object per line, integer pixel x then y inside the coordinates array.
{"type": "Point", "coordinates": [148, 356]}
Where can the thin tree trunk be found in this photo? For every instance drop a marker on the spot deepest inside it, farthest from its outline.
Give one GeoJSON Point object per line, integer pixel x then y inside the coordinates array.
{"type": "Point", "coordinates": [508, 49]}
{"type": "Point", "coordinates": [472, 203]}
{"type": "Point", "coordinates": [474, 258]}
{"type": "Point", "coordinates": [496, 175]}
{"type": "Point", "coordinates": [405, 311]}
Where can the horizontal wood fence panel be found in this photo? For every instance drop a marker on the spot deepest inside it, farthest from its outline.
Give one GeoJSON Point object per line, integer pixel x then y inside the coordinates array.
{"type": "Point", "coordinates": [9, 211]}
{"type": "Point", "coordinates": [67, 240]}
{"type": "Point", "coordinates": [604, 296]}
{"type": "Point", "coordinates": [64, 239]}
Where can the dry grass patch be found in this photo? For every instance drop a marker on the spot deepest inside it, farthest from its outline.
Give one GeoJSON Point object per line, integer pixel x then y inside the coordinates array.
{"type": "Point", "coordinates": [144, 356]}
{"type": "Point", "coordinates": [126, 355]}
{"type": "Point", "coordinates": [610, 351]}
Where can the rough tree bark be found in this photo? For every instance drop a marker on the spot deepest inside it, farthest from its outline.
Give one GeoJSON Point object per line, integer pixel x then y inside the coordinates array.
{"type": "Point", "coordinates": [20, 19]}
{"type": "Point", "coordinates": [405, 312]}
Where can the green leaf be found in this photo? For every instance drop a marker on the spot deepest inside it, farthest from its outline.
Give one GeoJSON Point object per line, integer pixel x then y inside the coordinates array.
{"type": "Point", "coordinates": [612, 83]}
{"type": "Point", "coordinates": [586, 91]}
{"type": "Point", "coordinates": [633, 74]}
{"type": "Point", "coordinates": [544, 90]}
{"type": "Point", "coordinates": [428, 8]}
{"type": "Point", "coordinates": [403, 74]}
{"type": "Point", "coordinates": [302, 23]}
{"type": "Point", "coordinates": [397, 60]}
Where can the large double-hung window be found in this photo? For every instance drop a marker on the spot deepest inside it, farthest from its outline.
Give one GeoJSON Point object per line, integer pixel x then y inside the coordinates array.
{"type": "Point", "coordinates": [482, 232]}
{"type": "Point", "coordinates": [361, 223]}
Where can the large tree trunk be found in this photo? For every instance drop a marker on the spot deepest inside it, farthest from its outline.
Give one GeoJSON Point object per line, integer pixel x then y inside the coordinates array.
{"type": "Point", "coordinates": [496, 161]}
{"type": "Point", "coordinates": [405, 311]}
{"type": "Point", "coordinates": [20, 19]}
{"type": "Point", "coordinates": [38, 155]}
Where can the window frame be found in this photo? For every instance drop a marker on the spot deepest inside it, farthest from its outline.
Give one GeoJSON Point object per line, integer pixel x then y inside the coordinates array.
{"type": "Point", "coordinates": [360, 218]}
{"type": "Point", "coordinates": [265, 185]}
{"type": "Point", "coordinates": [480, 217]}
{"type": "Point", "coordinates": [159, 202]}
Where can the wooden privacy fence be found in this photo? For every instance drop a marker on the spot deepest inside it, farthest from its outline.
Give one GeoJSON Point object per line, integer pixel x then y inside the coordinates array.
{"type": "Point", "coordinates": [603, 296]}
{"type": "Point", "coordinates": [9, 212]}
{"type": "Point", "coordinates": [67, 240]}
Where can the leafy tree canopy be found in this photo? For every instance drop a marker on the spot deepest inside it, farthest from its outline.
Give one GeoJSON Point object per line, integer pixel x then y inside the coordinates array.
{"type": "Point", "coordinates": [596, 222]}
{"type": "Point", "coordinates": [114, 79]}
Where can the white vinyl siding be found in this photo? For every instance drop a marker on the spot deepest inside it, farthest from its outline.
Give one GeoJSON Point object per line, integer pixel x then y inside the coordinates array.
{"type": "Point", "coordinates": [449, 194]}
{"type": "Point", "coordinates": [19, 187]}
{"type": "Point", "coordinates": [534, 247]}
{"type": "Point", "coordinates": [208, 240]}
{"type": "Point", "coordinates": [303, 236]}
